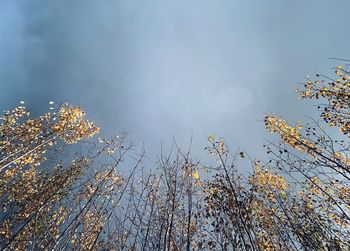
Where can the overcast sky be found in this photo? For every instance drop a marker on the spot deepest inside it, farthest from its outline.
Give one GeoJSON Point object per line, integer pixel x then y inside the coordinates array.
{"type": "Point", "coordinates": [162, 68]}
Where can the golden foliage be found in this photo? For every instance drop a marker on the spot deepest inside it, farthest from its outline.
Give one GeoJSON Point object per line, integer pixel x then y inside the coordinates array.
{"type": "Point", "coordinates": [290, 135]}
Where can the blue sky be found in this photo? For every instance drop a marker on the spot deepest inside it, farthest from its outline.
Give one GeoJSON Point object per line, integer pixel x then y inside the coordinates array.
{"type": "Point", "coordinates": [160, 69]}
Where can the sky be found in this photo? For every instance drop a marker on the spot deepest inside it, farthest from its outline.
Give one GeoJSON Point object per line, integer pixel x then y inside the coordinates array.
{"type": "Point", "coordinates": [161, 69]}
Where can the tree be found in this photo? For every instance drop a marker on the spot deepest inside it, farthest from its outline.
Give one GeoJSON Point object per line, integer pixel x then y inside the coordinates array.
{"type": "Point", "coordinates": [61, 189]}
{"type": "Point", "coordinates": [299, 199]}
{"type": "Point", "coordinates": [320, 158]}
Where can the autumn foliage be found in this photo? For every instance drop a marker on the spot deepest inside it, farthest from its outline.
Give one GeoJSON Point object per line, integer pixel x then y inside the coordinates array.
{"type": "Point", "coordinates": [61, 188]}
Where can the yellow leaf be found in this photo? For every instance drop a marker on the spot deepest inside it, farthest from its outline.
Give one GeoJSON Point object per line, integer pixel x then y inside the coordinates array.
{"type": "Point", "coordinates": [195, 175]}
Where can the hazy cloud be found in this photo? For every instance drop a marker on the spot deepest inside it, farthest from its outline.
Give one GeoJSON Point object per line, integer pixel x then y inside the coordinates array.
{"type": "Point", "coordinates": [169, 68]}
